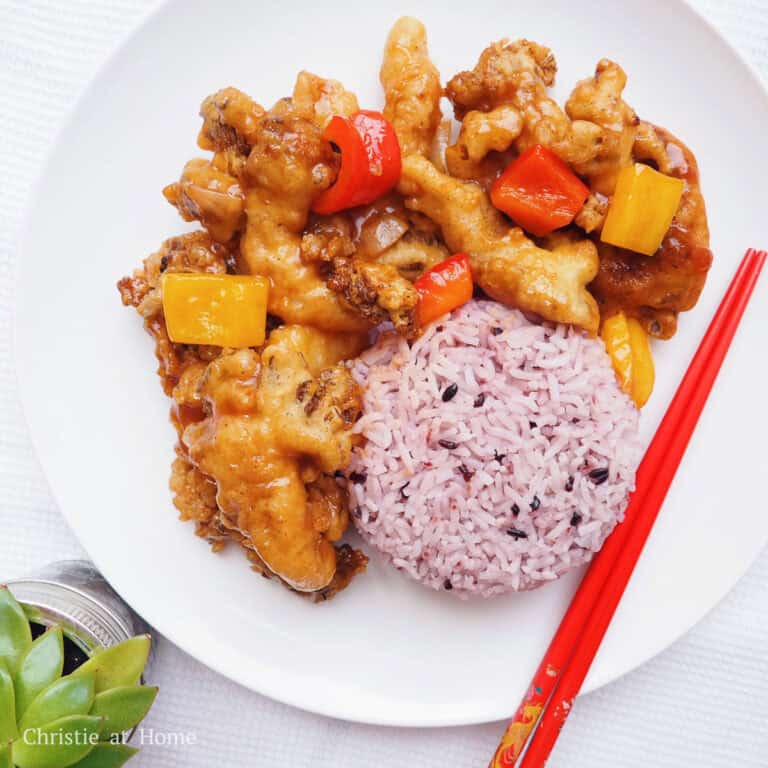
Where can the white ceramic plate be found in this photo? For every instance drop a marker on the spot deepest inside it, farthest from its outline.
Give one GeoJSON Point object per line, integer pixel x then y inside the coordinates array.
{"type": "Point", "coordinates": [386, 651]}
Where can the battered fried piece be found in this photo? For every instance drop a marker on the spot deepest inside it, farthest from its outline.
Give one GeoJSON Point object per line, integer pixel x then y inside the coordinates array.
{"type": "Point", "coordinates": [230, 118]}
{"type": "Point", "coordinates": [275, 424]}
{"type": "Point", "coordinates": [412, 87]}
{"type": "Point", "coordinates": [599, 100]}
{"type": "Point", "coordinates": [592, 215]}
{"type": "Point", "coordinates": [194, 495]}
{"type": "Point", "coordinates": [289, 165]}
{"type": "Point", "coordinates": [318, 99]}
{"type": "Point", "coordinates": [211, 196]}
{"type": "Point", "coordinates": [505, 263]}
{"type": "Point", "coordinates": [193, 252]}
{"type": "Point", "coordinates": [650, 147]}
{"type": "Point", "coordinates": [376, 290]}
{"type": "Point", "coordinates": [414, 254]}
{"type": "Point", "coordinates": [518, 74]}
{"type": "Point", "coordinates": [656, 288]}
{"type": "Point", "coordinates": [481, 134]}
{"type": "Point", "coordinates": [195, 498]}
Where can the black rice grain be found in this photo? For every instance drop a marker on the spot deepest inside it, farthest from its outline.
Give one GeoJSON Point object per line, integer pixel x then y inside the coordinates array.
{"type": "Point", "coordinates": [448, 444]}
{"type": "Point", "coordinates": [535, 504]}
{"type": "Point", "coordinates": [466, 472]}
{"type": "Point", "coordinates": [517, 534]}
{"type": "Point", "coordinates": [450, 392]}
{"type": "Point", "coordinates": [599, 476]}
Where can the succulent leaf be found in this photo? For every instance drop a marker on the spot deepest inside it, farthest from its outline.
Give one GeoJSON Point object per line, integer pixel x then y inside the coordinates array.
{"type": "Point", "coordinates": [123, 708]}
{"type": "Point", "coordinates": [7, 707]}
{"type": "Point", "coordinates": [106, 756]}
{"type": "Point", "coordinates": [38, 668]}
{"type": "Point", "coordinates": [15, 634]}
{"type": "Point", "coordinates": [5, 756]}
{"type": "Point", "coordinates": [59, 744]}
{"type": "Point", "coordinates": [66, 696]}
{"type": "Point", "coordinates": [119, 665]}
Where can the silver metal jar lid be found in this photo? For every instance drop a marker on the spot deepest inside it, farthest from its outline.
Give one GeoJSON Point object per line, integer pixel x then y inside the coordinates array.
{"type": "Point", "coordinates": [75, 595]}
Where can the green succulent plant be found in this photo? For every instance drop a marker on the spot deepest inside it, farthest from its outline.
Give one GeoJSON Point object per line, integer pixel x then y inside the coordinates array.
{"type": "Point", "coordinates": [51, 720]}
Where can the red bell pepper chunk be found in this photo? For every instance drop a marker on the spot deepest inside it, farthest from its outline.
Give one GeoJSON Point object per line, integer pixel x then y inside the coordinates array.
{"type": "Point", "coordinates": [370, 161]}
{"type": "Point", "coordinates": [444, 287]}
{"type": "Point", "coordinates": [539, 191]}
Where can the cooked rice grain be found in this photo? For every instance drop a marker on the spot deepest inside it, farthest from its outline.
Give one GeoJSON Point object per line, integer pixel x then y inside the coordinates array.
{"type": "Point", "coordinates": [536, 409]}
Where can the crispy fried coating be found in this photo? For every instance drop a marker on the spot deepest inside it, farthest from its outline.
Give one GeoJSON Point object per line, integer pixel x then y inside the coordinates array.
{"type": "Point", "coordinates": [289, 165]}
{"type": "Point", "coordinates": [194, 495]}
{"type": "Point", "coordinates": [195, 498]}
{"type": "Point", "coordinates": [518, 74]}
{"type": "Point", "coordinates": [412, 87]}
{"type": "Point", "coordinates": [370, 257]}
{"type": "Point", "coordinates": [592, 215]}
{"type": "Point", "coordinates": [318, 99]}
{"type": "Point", "coordinates": [656, 288]}
{"type": "Point", "coordinates": [230, 118]}
{"type": "Point", "coordinates": [482, 133]}
{"type": "Point", "coordinates": [193, 252]}
{"type": "Point", "coordinates": [650, 147]}
{"type": "Point", "coordinates": [275, 424]}
{"type": "Point", "coordinates": [211, 196]}
{"type": "Point", "coordinates": [378, 293]}
{"type": "Point", "coordinates": [506, 264]}
{"type": "Point", "coordinates": [598, 99]}
{"type": "Point", "coordinates": [413, 254]}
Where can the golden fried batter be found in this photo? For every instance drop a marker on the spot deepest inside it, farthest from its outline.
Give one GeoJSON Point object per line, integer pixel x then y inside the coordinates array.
{"type": "Point", "coordinates": [195, 498]}
{"type": "Point", "coordinates": [371, 255]}
{"type": "Point", "coordinates": [651, 147]}
{"type": "Point", "coordinates": [193, 252]}
{"type": "Point", "coordinates": [276, 423]}
{"type": "Point", "coordinates": [505, 263]}
{"type": "Point", "coordinates": [211, 196]}
{"type": "Point", "coordinates": [599, 100]}
{"type": "Point", "coordinates": [378, 292]}
{"type": "Point", "coordinates": [413, 254]}
{"type": "Point", "coordinates": [230, 118]}
{"type": "Point", "coordinates": [317, 99]}
{"type": "Point", "coordinates": [655, 288]}
{"type": "Point", "coordinates": [518, 74]}
{"type": "Point", "coordinates": [481, 134]}
{"type": "Point", "coordinates": [412, 89]}
{"type": "Point", "coordinates": [289, 165]}
{"type": "Point", "coordinates": [592, 215]}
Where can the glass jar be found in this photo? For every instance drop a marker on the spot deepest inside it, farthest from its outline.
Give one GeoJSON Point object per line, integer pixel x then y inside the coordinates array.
{"type": "Point", "coordinates": [75, 595]}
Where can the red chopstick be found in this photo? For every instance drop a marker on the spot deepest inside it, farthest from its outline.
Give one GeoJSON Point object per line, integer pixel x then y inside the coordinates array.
{"type": "Point", "coordinates": [587, 613]}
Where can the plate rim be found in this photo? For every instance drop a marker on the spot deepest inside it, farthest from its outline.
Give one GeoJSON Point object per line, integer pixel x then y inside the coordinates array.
{"type": "Point", "coordinates": [211, 660]}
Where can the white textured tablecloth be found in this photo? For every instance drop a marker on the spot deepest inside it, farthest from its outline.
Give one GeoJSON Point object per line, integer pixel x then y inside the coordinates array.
{"type": "Point", "coordinates": [702, 703]}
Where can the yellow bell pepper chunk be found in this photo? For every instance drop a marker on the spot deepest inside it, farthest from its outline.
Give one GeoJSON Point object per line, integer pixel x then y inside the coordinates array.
{"type": "Point", "coordinates": [628, 345]}
{"type": "Point", "coordinates": [221, 310]}
{"type": "Point", "coordinates": [641, 209]}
